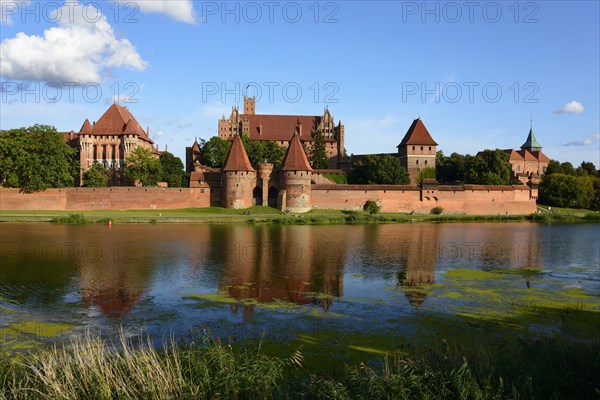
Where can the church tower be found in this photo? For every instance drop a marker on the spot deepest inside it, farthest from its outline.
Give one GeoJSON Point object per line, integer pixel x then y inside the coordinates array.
{"type": "Point", "coordinates": [296, 176]}
{"type": "Point", "coordinates": [239, 177]}
{"type": "Point", "coordinates": [531, 144]}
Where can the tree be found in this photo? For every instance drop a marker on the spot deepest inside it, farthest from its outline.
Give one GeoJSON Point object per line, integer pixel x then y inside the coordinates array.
{"type": "Point", "coordinates": [172, 169]}
{"type": "Point", "coordinates": [214, 152]}
{"type": "Point", "coordinates": [554, 167]}
{"type": "Point", "coordinates": [587, 168]}
{"type": "Point", "coordinates": [36, 158]}
{"type": "Point", "coordinates": [450, 169]}
{"type": "Point", "coordinates": [563, 190]}
{"type": "Point", "coordinates": [261, 151]}
{"type": "Point", "coordinates": [490, 167]}
{"type": "Point", "coordinates": [378, 169]}
{"type": "Point", "coordinates": [143, 166]}
{"type": "Point", "coordinates": [95, 176]}
{"type": "Point", "coordinates": [318, 155]}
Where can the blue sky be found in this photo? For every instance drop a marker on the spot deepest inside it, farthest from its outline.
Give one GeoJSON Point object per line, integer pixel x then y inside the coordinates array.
{"type": "Point", "coordinates": [473, 71]}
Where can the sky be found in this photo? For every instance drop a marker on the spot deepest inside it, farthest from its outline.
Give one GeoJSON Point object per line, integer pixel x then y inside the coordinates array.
{"type": "Point", "coordinates": [477, 73]}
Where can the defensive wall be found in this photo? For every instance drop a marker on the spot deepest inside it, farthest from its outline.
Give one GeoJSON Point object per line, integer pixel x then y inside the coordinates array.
{"type": "Point", "coordinates": [454, 199]}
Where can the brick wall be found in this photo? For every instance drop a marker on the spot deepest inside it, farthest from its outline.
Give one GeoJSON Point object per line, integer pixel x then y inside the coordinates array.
{"type": "Point", "coordinates": [115, 198]}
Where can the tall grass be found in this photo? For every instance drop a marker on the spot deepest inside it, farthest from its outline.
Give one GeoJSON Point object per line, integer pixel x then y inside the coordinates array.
{"type": "Point", "coordinates": [90, 368]}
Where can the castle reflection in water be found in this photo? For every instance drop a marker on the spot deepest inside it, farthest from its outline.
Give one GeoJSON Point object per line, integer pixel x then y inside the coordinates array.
{"type": "Point", "coordinates": [296, 264]}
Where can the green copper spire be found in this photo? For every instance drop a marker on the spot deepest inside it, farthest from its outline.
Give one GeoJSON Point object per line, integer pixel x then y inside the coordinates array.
{"type": "Point", "coordinates": [531, 143]}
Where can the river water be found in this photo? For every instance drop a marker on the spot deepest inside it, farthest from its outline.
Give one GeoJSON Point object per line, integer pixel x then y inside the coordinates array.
{"type": "Point", "coordinates": [293, 283]}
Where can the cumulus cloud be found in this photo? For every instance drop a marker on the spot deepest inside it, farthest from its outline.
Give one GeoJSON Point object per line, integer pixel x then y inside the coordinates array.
{"type": "Point", "coordinates": [78, 50]}
{"type": "Point", "coordinates": [572, 107]}
{"type": "Point", "coordinates": [584, 142]}
{"type": "Point", "coordinates": [180, 10]}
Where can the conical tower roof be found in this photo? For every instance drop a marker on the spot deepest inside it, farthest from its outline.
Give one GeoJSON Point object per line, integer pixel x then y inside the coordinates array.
{"type": "Point", "coordinates": [531, 142]}
{"type": "Point", "coordinates": [295, 158]}
{"type": "Point", "coordinates": [237, 159]}
{"type": "Point", "coordinates": [86, 129]}
{"type": "Point", "coordinates": [417, 134]}
{"type": "Point", "coordinates": [196, 147]}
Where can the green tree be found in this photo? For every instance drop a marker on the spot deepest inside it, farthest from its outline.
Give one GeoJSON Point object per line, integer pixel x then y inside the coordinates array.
{"type": "Point", "coordinates": [318, 155]}
{"type": "Point", "coordinates": [554, 167]}
{"type": "Point", "coordinates": [143, 166]}
{"type": "Point", "coordinates": [567, 168]}
{"type": "Point", "coordinates": [490, 167]}
{"type": "Point", "coordinates": [95, 176]}
{"type": "Point", "coordinates": [562, 190]}
{"type": "Point", "coordinates": [587, 168]}
{"type": "Point", "coordinates": [36, 158]}
{"type": "Point", "coordinates": [261, 151]}
{"type": "Point", "coordinates": [214, 152]}
{"type": "Point", "coordinates": [449, 169]}
{"type": "Point", "coordinates": [172, 169]}
{"type": "Point", "coordinates": [378, 169]}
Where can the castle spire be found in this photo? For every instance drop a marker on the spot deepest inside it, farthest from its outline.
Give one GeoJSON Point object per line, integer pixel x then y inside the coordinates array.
{"type": "Point", "coordinates": [531, 143]}
{"type": "Point", "coordinates": [295, 159]}
{"type": "Point", "coordinates": [237, 159]}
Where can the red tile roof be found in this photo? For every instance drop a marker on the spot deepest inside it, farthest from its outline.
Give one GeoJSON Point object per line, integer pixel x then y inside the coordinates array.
{"type": "Point", "coordinates": [295, 158]}
{"type": "Point", "coordinates": [281, 127]}
{"type": "Point", "coordinates": [86, 129]}
{"type": "Point", "coordinates": [527, 156]}
{"type": "Point", "coordinates": [417, 134]}
{"type": "Point", "coordinates": [513, 154]}
{"type": "Point", "coordinates": [115, 121]}
{"type": "Point", "coordinates": [196, 147]}
{"type": "Point", "coordinates": [540, 156]}
{"type": "Point", "coordinates": [237, 159]}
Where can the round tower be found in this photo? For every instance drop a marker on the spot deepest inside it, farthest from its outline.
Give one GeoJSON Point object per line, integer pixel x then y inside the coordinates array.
{"type": "Point", "coordinates": [296, 177]}
{"type": "Point", "coordinates": [265, 172]}
{"type": "Point", "coordinates": [239, 178]}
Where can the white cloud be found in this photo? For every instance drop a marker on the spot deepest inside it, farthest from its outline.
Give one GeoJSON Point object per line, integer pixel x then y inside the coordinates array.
{"type": "Point", "coordinates": [584, 142]}
{"type": "Point", "coordinates": [78, 50]}
{"type": "Point", "coordinates": [572, 107]}
{"type": "Point", "coordinates": [180, 10]}
{"type": "Point", "coordinates": [9, 8]}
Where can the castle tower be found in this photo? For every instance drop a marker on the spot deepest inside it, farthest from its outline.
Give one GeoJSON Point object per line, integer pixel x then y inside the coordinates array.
{"type": "Point", "coordinates": [249, 105]}
{"type": "Point", "coordinates": [531, 144]}
{"type": "Point", "coordinates": [239, 177]}
{"type": "Point", "coordinates": [296, 176]}
{"type": "Point", "coordinates": [417, 150]}
{"type": "Point", "coordinates": [265, 172]}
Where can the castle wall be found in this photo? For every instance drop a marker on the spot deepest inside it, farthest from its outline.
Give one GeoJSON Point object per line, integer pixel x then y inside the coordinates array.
{"type": "Point", "coordinates": [474, 200]}
{"type": "Point", "coordinates": [115, 198]}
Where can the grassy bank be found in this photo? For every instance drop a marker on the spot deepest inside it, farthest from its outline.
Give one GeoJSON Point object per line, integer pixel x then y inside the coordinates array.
{"type": "Point", "coordinates": [91, 369]}
{"type": "Point", "coordinates": [259, 214]}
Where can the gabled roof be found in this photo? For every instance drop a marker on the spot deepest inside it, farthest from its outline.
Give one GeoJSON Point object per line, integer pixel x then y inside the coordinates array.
{"type": "Point", "coordinates": [237, 159]}
{"type": "Point", "coordinates": [540, 156]}
{"type": "Point", "coordinates": [531, 142]}
{"type": "Point", "coordinates": [280, 127]}
{"type": "Point", "coordinates": [116, 120]}
{"type": "Point", "coordinates": [196, 147]}
{"type": "Point", "coordinates": [513, 155]}
{"type": "Point", "coordinates": [417, 134]}
{"type": "Point", "coordinates": [527, 156]}
{"type": "Point", "coordinates": [295, 158]}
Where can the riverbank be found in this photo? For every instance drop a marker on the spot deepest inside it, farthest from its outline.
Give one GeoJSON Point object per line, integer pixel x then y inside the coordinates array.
{"type": "Point", "coordinates": [269, 215]}
{"type": "Point", "coordinates": [205, 368]}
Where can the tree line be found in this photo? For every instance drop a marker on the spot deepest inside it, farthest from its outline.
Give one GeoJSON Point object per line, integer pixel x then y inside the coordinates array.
{"type": "Point", "coordinates": [566, 186]}
{"type": "Point", "coordinates": [37, 158]}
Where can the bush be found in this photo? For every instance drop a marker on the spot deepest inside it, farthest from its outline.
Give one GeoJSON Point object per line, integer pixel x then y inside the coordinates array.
{"type": "Point", "coordinates": [72, 219]}
{"type": "Point", "coordinates": [437, 210]}
{"type": "Point", "coordinates": [371, 207]}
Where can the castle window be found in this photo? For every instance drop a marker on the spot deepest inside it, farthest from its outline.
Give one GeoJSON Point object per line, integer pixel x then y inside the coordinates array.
{"type": "Point", "coordinates": [425, 162]}
{"type": "Point", "coordinates": [417, 162]}
{"type": "Point", "coordinates": [413, 147]}
{"type": "Point", "coordinates": [421, 148]}
{"type": "Point", "coordinates": [429, 148]}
